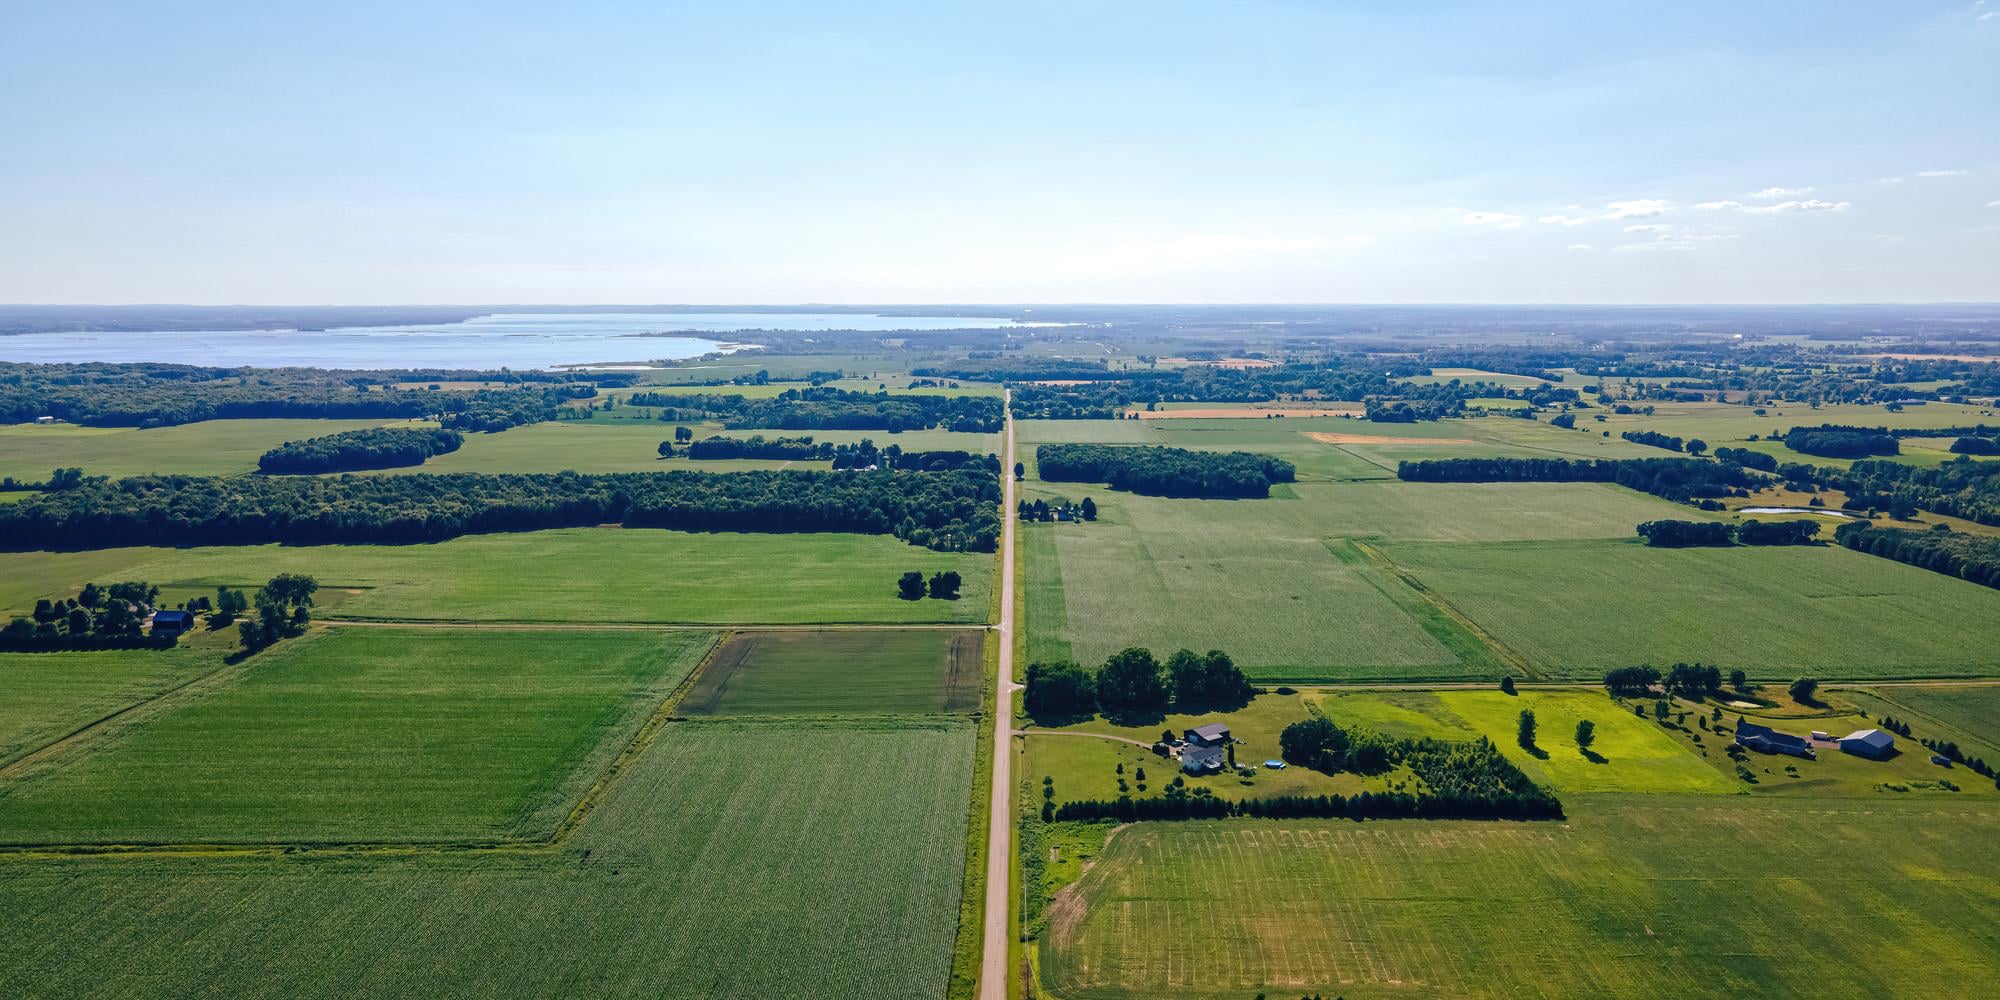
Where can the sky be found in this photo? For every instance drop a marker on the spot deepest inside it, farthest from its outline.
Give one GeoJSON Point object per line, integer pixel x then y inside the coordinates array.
{"type": "Point", "coordinates": [1520, 152]}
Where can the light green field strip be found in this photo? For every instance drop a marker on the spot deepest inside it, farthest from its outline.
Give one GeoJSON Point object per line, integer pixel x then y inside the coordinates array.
{"type": "Point", "coordinates": [44, 697]}
{"type": "Point", "coordinates": [1704, 890]}
{"type": "Point", "coordinates": [599, 446]}
{"type": "Point", "coordinates": [209, 448]}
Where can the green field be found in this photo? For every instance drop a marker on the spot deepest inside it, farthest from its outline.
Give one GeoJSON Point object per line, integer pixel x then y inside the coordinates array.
{"type": "Point", "coordinates": [1730, 425]}
{"type": "Point", "coordinates": [1630, 754]}
{"type": "Point", "coordinates": [733, 860]}
{"type": "Point", "coordinates": [854, 672]}
{"type": "Point", "coordinates": [44, 697]}
{"type": "Point", "coordinates": [362, 734]}
{"type": "Point", "coordinates": [210, 448]}
{"type": "Point", "coordinates": [1270, 582]}
{"type": "Point", "coordinates": [605, 446]}
{"type": "Point", "coordinates": [583, 575]}
{"type": "Point", "coordinates": [1576, 608]}
{"type": "Point", "coordinates": [1632, 896]}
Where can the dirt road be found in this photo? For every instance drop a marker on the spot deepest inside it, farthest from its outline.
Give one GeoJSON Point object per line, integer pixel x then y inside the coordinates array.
{"type": "Point", "coordinates": [1000, 822]}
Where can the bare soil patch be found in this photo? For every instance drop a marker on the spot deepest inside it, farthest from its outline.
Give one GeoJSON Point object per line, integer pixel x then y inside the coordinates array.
{"type": "Point", "coordinates": [1329, 437]}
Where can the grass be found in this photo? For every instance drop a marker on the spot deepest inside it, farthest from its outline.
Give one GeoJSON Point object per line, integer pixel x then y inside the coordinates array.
{"type": "Point", "coordinates": [733, 860]}
{"type": "Point", "coordinates": [611, 446]}
{"type": "Point", "coordinates": [210, 448]}
{"type": "Point", "coordinates": [570, 575]}
{"type": "Point", "coordinates": [1633, 895]}
{"type": "Point", "coordinates": [1731, 425]}
{"type": "Point", "coordinates": [875, 672]}
{"type": "Point", "coordinates": [45, 696]}
{"type": "Point", "coordinates": [1576, 608]}
{"type": "Point", "coordinates": [1972, 711]}
{"type": "Point", "coordinates": [363, 735]}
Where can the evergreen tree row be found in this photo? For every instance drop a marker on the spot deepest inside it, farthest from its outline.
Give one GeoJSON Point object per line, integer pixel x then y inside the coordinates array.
{"type": "Point", "coordinates": [1685, 534]}
{"type": "Point", "coordinates": [828, 408]}
{"type": "Point", "coordinates": [1159, 471]}
{"type": "Point", "coordinates": [1678, 479]}
{"type": "Point", "coordinates": [369, 448]}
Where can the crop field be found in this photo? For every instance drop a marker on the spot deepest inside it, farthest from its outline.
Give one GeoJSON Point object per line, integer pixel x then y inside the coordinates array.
{"type": "Point", "coordinates": [1269, 582]}
{"type": "Point", "coordinates": [733, 859]}
{"type": "Point", "coordinates": [1469, 375]}
{"type": "Point", "coordinates": [580, 575]}
{"type": "Point", "coordinates": [362, 734]}
{"type": "Point", "coordinates": [603, 446]}
{"type": "Point", "coordinates": [1630, 754]}
{"type": "Point", "coordinates": [45, 697]}
{"type": "Point", "coordinates": [1632, 896]}
{"type": "Point", "coordinates": [831, 673]}
{"type": "Point", "coordinates": [1973, 711]}
{"type": "Point", "coordinates": [209, 448]}
{"type": "Point", "coordinates": [1576, 608]}
{"type": "Point", "coordinates": [1730, 425]}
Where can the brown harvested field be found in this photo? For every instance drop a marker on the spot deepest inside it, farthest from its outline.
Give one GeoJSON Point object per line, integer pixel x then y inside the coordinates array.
{"type": "Point", "coordinates": [1226, 412]}
{"type": "Point", "coordinates": [842, 672]}
{"type": "Point", "coordinates": [1330, 437]}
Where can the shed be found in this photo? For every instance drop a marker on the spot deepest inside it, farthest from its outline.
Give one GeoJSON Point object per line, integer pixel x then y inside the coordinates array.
{"type": "Point", "coordinates": [1211, 735]}
{"type": "Point", "coordinates": [1764, 739]}
{"type": "Point", "coordinates": [172, 622]}
{"type": "Point", "coordinates": [1873, 743]}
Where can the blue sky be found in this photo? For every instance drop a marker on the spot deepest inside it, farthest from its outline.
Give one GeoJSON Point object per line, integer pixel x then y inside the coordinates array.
{"type": "Point", "coordinates": [1101, 152]}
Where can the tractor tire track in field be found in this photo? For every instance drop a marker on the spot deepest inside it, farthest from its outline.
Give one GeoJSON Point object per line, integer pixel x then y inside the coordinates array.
{"type": "Point", "coordinates": [1513, 661]}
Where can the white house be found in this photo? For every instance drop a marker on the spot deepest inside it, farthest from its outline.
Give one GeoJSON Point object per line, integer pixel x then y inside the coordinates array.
{"type": "Point", "coordinates": [1206, 749]}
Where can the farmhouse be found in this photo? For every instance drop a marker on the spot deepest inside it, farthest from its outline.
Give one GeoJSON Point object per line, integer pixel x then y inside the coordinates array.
{"type": "Point", "coordinates": [1764, 739]}
{"type": "Point", "coordinates": [1872, 743]}
{"type": "Point", "coordinates": [172, 622]}
{"type": "Point", "coordinates": [1205, 748]}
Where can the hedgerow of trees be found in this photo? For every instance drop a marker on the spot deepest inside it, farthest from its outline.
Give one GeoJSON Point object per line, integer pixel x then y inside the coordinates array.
{"type": "Point", "coordinates": [1134, 683]}
{"type": "Point", "coordinates": [1678, 479]}
{"type": "Point", "coordinates": [1954, 553]}
{"type": "Point", "coordinates": [828, 408]}
{"type": "Point", "coordinates": [1158, 471]}
{"type": "Point", "coordinates": [1682, 534]}
{"type": "Point", "coordinates": [370, 448]}
{"type": "Point", "coordinates": [948, 511]}
{"type": "Point", "coordinates": [111, 617]}
{"type": "Point", "coordinates": [1838, 441]}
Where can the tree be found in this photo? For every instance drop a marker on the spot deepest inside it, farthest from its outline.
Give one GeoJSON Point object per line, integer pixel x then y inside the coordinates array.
{"type": "Point", "coordinates": [683, 435]}
{"type": "Point", "coordinates": [1739, 680]}
{"type": "Point", "coordinates": [1089, 509]}
{"type": "Point", "coordinates": [1061, 689]}
{"type": "Point", "coordinates": [78, 622]}
{"type": "Point", "coordinates": [1803, 689]}
{"type": "Point", "coordinates": [666, 449]}
{"type": "Point", "coordinates": [1020, 471]}
{"type": "Point", "coordinates": [944, 586]}
{"type": "Point", "coordinates": [1190, 682]}
{"type": "Point", "coordinates": [1131, 681]}
{"type": "Point", "coordinates": [1586, 734]}
{"type": "Point", "coordinates": [1695, 446]}
{"type": "Point", "coordinates": [1507, 684]}
{"type": "Point", "coordinates": [1525, 732]}
{"type": "Point", "coordinates": [911, 586]}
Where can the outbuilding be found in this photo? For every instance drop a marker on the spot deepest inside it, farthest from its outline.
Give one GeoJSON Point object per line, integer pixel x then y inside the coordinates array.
{"type": "Point", "coordinates": [1871, 743]}
{"type": "Point", "coordinates": [1205, 749]}
{"type": "Point", "coordinates": [1764, 739]}
{"type": "Point", "coordinates": [172, 622]}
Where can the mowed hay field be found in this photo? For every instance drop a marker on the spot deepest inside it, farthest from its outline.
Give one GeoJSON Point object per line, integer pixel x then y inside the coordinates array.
{"type": "Point", "coordinates": [1276, 582]}
{"type": "Point", "coordinates": [581, 575]}
{"type": "Point", "coordinates": [209, 448]}
{"type": "Point", "coordinates": [1632, 896]}
{"type": "Point", "coordinates": [361, 734]}
{"type": "Point", "coordinates": [1577, 607]}
{"type": "Point", "coordinates": [45, 697]}
{"type": "Point", "coordinates": [731, 859]}
{"type": "Point", "coordinates": [832, 673]}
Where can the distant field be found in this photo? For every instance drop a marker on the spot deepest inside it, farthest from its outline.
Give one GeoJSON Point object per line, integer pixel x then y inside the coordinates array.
{"type": "Point", "coordinates": [586, 575]}
{"type": "Point", "coordinates": [1632, 754]}
{"type": "Point", "coordinates": [1974, 711]}
{"type": "Point", "coordinates": [363, 734]}
{"type": "Point", "coordinates": [44, 697]}
{"type": "Point", "coordinates": [1632, 896]}
{"type": "Point", "coordinates": [210, 448]}
{"type": "Point", "coordinates": [1469, 375]}
{"type": "Point", "coordinates": [1580, 607]}
{"type": "Point", "coordinates": [1258, 578]}
{"type": "Point", "coordinates": [873, 672]}
{"type": "Point", "coordinates": [1730, 425]}
{"type": "Point", "coordinates": [733, 860]}
{"type": "Point", "coordinates": [601, 446]}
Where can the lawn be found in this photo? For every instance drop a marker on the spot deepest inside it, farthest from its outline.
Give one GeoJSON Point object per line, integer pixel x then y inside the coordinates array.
{"type": "Point", "coordinates": [208, 448]}
{"type": "Point", "coordinates": [852, 672]}
{"type": "Point", "coordinates": [45, 696]}
{"type": "Point", "coordinates": [1270, 582]}
{"type": "Point", "coordinates": [731, 860]}
{"type": "Point", "coordinates": [584, 575]}
{"type": "Point", "coordinates": [1576, 608]}
{"type": "Point", "coordinates": [362, 735]}
{"type": "Point", "coordinates": [1632, 896]}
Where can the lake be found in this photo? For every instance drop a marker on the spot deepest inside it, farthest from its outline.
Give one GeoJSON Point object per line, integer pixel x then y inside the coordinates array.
{"type": "Point", "coordinates": [503, 340]}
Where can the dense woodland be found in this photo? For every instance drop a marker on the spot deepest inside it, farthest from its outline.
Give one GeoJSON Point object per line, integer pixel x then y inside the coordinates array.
{"type": "Point", "coordinates": [373, 448]}
{"type": "Point", "coordinates": [1678, 479]}
{"type": "Point", "coordinates": [1159, 471]}
{"type": "Point", "coordinates": [1970, 557]}
{"type": "Point", "coordinates": [827, 408]}
{"type": "Point", "coordinates": [950, 511]}
{"type": "Point", "coordinates": [860, 455]}
{"type": "Point", "coordinates": [157, 395]}
{"type": "Point", "coordinates": [1685, 534]}
{"type": "Point", "coordinates": [1836, 441]}
{"type": "Point", "coordinates": [1962, 487]}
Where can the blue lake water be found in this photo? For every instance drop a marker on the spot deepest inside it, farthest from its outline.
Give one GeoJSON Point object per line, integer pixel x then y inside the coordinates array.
{"type": "Point", "coordinates": [504, 340]}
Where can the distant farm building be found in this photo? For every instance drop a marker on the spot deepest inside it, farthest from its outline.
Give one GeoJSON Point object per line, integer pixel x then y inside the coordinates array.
{"type": "Point", "coordinates": [1206, 748]}
{"type": "Point", "coordinates": [1764, 739]}
{"type": "Point", "coordinates": [172, 622]}
{"type": "Point", "coordinates": [45, 420]}
{"type": "Point", "coordinates": [1871, 743]}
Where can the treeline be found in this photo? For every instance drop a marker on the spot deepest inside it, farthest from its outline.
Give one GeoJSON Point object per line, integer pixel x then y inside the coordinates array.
{"type": "Point", "coordinates": [1839, 441]}
{"type": "Point", "coordinates": [1958, 488]}
{"type": "Point", "coordinates": [1132, 682]}
{"type": "Point", "coordinates": [827, 408]}
{"type": "Point", "coordinates": [1684, 534]}
{"type": "Point", "coordinates": [157, 395]}
{"type": "Point", "coordinates": [949, 511]}
{"type": "Point", "coordinates": [112, 617]}
{"type": "Point", "coordinates": [1693, 446]}
{"type": "Point", "coordinates": [1748, 459]}
{"type": "Point", "coordinates": [1159, 471]}
{"type": "Point", "coordinates": [861, 455]}
{"type": "Point", "coordinates": [1968, 557]}
{"type": "Point", "coordinates": [1677, 479]}
{"type": "Point", "coordinates": [1689, 680]}
{"type": "Point", "coordinates": [370, 448]}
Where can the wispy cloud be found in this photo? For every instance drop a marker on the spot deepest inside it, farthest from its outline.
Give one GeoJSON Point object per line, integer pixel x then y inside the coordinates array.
{"type": "Point", "coordinates": [1890, 180]}
{"type": "Point", "coordinates": [1641, 208]}
{"type": "Point", "coordinates": [1563, 220]}
{"type": "Point", "coordinates": [1809, 205]}
{"type": "Point", "coordinates": [1647, 228]}
{"type": "Point", "coordinates": [1993, 204]}
{"type": "Point", "coordinates": [1940, 173]}
{"type": "Point", "coordinates": [1581, 247]}
{"type": "Point", "coordinates": [1498, 220]}
{"type": "Point", "coordinates": [1717, 206]}
{"type": "Point", "coordinates": [1779, 192]}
